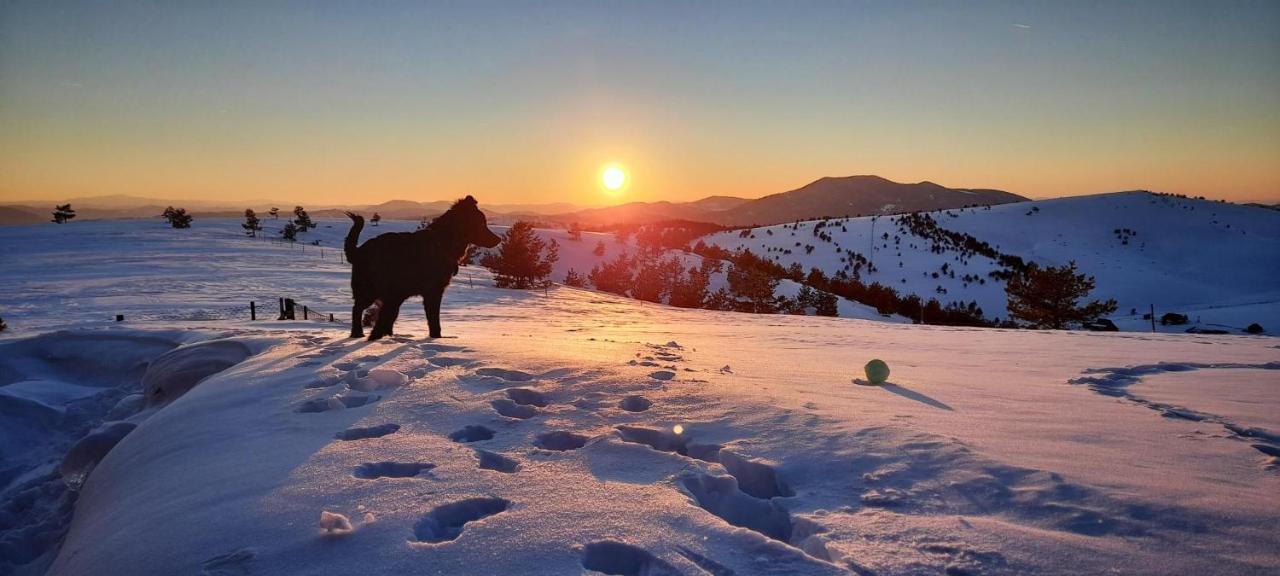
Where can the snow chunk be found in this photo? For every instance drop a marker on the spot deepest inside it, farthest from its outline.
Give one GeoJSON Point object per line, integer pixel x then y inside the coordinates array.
{"type": "Point", "coordinates": [380, 379]}
{"type": "Point", "coordinates": [335, 524]}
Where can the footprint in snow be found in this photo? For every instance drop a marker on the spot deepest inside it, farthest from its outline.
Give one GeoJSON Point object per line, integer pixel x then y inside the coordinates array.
{"type": "Point", "coordinates": [446, 522]}
{"type": "Point", "coordinates": [560, 441]}
{"type": "Point", "coordinates": [447, 361]}
{"type": "Point", "coordinates": [368, 432]}
{"type": "Point", "coordinates": [497, 462]}
{"type": "Point", "coordinates": [635, 404]}
{"type": "Point", "coordinates": [375, 470]}
{"type": "Point", "coordinates": [340, 402]}
{"type": "Point", "coordinates": [507, 407]}
{"type": "Point", "coordinates": [609, 557]}
{"type": "Point", "coordinates": [505, 374]}
{"type": "Point", "coordinates": [662, 375]}
{"type": "Point", "coordinates": [527, 397]}
{"type": "Point", "coordinates": [471, 433]}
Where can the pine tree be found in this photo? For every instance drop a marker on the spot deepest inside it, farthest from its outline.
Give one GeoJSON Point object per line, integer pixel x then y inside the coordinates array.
{"type": "Point", "coordinates": [251, 223]}
{"type": "Point", "coordinates": [302, 220]}
{"type": "Point", "coordinates": [826, 304]}
{"type": "Point", "coordinates": [375, 219]}
{"type": "Point", "coordinates": [599, 249]}
{"type": "Point", "coordinates": [63, 213]}
{"type": "Point", "coordinates": [274, 212]}
{"type": "Point", "coordinates": [1049, 297]}
{"type": "Point", "coordinates": [290, 232]}
{"type": "Point", "coordinates": [177, 217]}
{"type": "Point", "coordinates": [690, 290]}
{"type": "Point", "coordinates": [753, 288]}
{"type": "Point", "coordinates": [654, 279]}
{"type": "Point", "coordinates": [573, 278]}
{"type": "Point", "coordinates": [575, 232]}
{"type": "Point", "coordinates": [523, 260]}
{"type": "Point", "coordinates": [613, 276]}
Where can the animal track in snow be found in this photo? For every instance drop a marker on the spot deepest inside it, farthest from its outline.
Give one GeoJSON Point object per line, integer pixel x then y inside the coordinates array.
{"type": "Point", "coordinates": [720, 496]}
{"type": "Point", "coordinates": [755, 478]}
{"type": "Point", "coordinates": [441, 347]}
{"type": "Point", "coordinates": [621, 559]}
{"type": "Point", "coordinates": [505, 374]}
{"type": "Point", "coordinates": [368, 432]}
{"type": "Point", "coordinates": [510, 409]}
{"type": "Point", "coordinates": [560, 441]}
{"type": "Point", "coordinates": [662, 375]}
{"type": "Point", "coordinates": [373, 470]}
{"type": "Point", "coordinates": [664, 441]}
{"type": "Point", "coordinates": [446, 522]}
{"type": "Point", "coordinates": [497, 462]}
{"type": "Point", "coordinates": [527, 397]}
{"type": "Point", "coordinates": [635, 404]}
{"type": "Point", "coordinates": [471, 433]}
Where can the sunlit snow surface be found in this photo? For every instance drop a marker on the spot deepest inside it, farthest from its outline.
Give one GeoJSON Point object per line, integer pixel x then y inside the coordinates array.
{"type": "Point", "coordinates": [538, 438]}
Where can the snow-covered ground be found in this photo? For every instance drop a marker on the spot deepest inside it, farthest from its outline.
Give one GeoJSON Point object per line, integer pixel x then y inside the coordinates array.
{"type": "Point", "coordinates": [568, 431]}
{"type": "Point", "coordinates": [1215, 262]}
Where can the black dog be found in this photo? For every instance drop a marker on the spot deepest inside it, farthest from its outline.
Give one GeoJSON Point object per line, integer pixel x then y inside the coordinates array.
{"type": "Point", "coordinates": [394, 266]}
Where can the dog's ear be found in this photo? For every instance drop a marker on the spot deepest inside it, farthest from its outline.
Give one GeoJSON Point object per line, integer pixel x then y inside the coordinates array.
{"type": "Point", "coordinates": [469, 199]}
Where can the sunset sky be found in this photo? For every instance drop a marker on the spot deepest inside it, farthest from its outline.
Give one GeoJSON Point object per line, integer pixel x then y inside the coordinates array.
{"type": "Point", "coordinates": [330, 102]}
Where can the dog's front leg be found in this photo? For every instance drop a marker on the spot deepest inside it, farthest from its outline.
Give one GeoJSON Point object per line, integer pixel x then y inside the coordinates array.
{"type": "Point", "coordinates": [431, 305]}
{"type": "Point", "coordinates": [386, 318]}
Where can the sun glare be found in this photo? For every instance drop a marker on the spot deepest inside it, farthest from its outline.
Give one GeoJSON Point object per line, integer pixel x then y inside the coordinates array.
{"type": "Point", "coordinates": [613, 177]}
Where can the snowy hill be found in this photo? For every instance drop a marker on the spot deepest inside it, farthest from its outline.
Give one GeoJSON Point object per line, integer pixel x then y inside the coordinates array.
{"type": "Point", "coordinates": [1213, 261]}
{"type": "Point", "coordinates": [570, 431]}
{"type": "Point", "coordinates": [856, 195]}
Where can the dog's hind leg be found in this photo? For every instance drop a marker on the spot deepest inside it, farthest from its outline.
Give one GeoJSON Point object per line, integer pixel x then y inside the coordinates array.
{"type": "Point", "coordinates": [386, 318]}
{"type": "Point", "coordinates": [431, 305]}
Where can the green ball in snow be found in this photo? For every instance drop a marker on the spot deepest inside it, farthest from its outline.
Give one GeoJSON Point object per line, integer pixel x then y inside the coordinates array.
{"type": "Point", "coordinates": [877, 371]}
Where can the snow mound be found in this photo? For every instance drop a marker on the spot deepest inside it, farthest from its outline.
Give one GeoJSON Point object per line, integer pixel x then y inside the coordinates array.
{"type": "Point", "coordinates": [175, 373]}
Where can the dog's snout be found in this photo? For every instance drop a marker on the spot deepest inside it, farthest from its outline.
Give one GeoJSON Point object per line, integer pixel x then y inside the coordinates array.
{"type": "Point", "coordinates": [490, 239]}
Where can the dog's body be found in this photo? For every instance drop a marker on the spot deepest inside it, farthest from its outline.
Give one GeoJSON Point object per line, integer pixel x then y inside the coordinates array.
{"type": "Point", "coordinates": [392, 267]}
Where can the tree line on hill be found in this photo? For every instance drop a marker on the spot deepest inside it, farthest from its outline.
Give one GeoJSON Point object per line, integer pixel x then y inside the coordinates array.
{"type": "Point", "coordinates": [1039, 296]}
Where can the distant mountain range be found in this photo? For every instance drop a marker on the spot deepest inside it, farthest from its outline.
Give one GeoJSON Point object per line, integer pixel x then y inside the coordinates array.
{"type": "Point", "coordinates": [845, 196]}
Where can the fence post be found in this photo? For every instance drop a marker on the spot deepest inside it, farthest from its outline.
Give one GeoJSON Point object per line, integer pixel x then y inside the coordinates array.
{"type": "Point", "coordinates": [331, 316]}
{"type": "Point", "coordinates": [306, 313]}
{"type": "Point", "coordinates": [253, 310]}
{"type": "Point", "coordinates": [1153, 317]}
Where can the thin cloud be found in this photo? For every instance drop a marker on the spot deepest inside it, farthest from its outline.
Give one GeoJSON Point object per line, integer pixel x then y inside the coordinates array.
{"type": "Point", "coordinates": [1022, 26]}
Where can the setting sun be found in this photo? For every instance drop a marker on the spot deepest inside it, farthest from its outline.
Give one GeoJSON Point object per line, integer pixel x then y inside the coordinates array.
{"type": "Point", "coordinates": [613, 178]}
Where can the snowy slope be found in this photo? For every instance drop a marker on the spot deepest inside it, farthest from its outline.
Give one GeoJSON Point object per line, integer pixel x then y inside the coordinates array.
{"type": "Point", "coordinates": [1213, 261]}
{"type": "Point", "coordinates": [540, 437]}
{"type": "Point", "coordinates": [187, 258]}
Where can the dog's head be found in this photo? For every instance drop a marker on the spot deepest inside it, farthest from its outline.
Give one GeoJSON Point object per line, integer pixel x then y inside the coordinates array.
{"type": "Point", "coordinates": [474, 225]}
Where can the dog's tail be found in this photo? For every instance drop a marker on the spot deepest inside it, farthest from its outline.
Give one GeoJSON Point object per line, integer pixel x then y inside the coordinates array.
{"type": "Point", "coordinates": [353, 236]}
